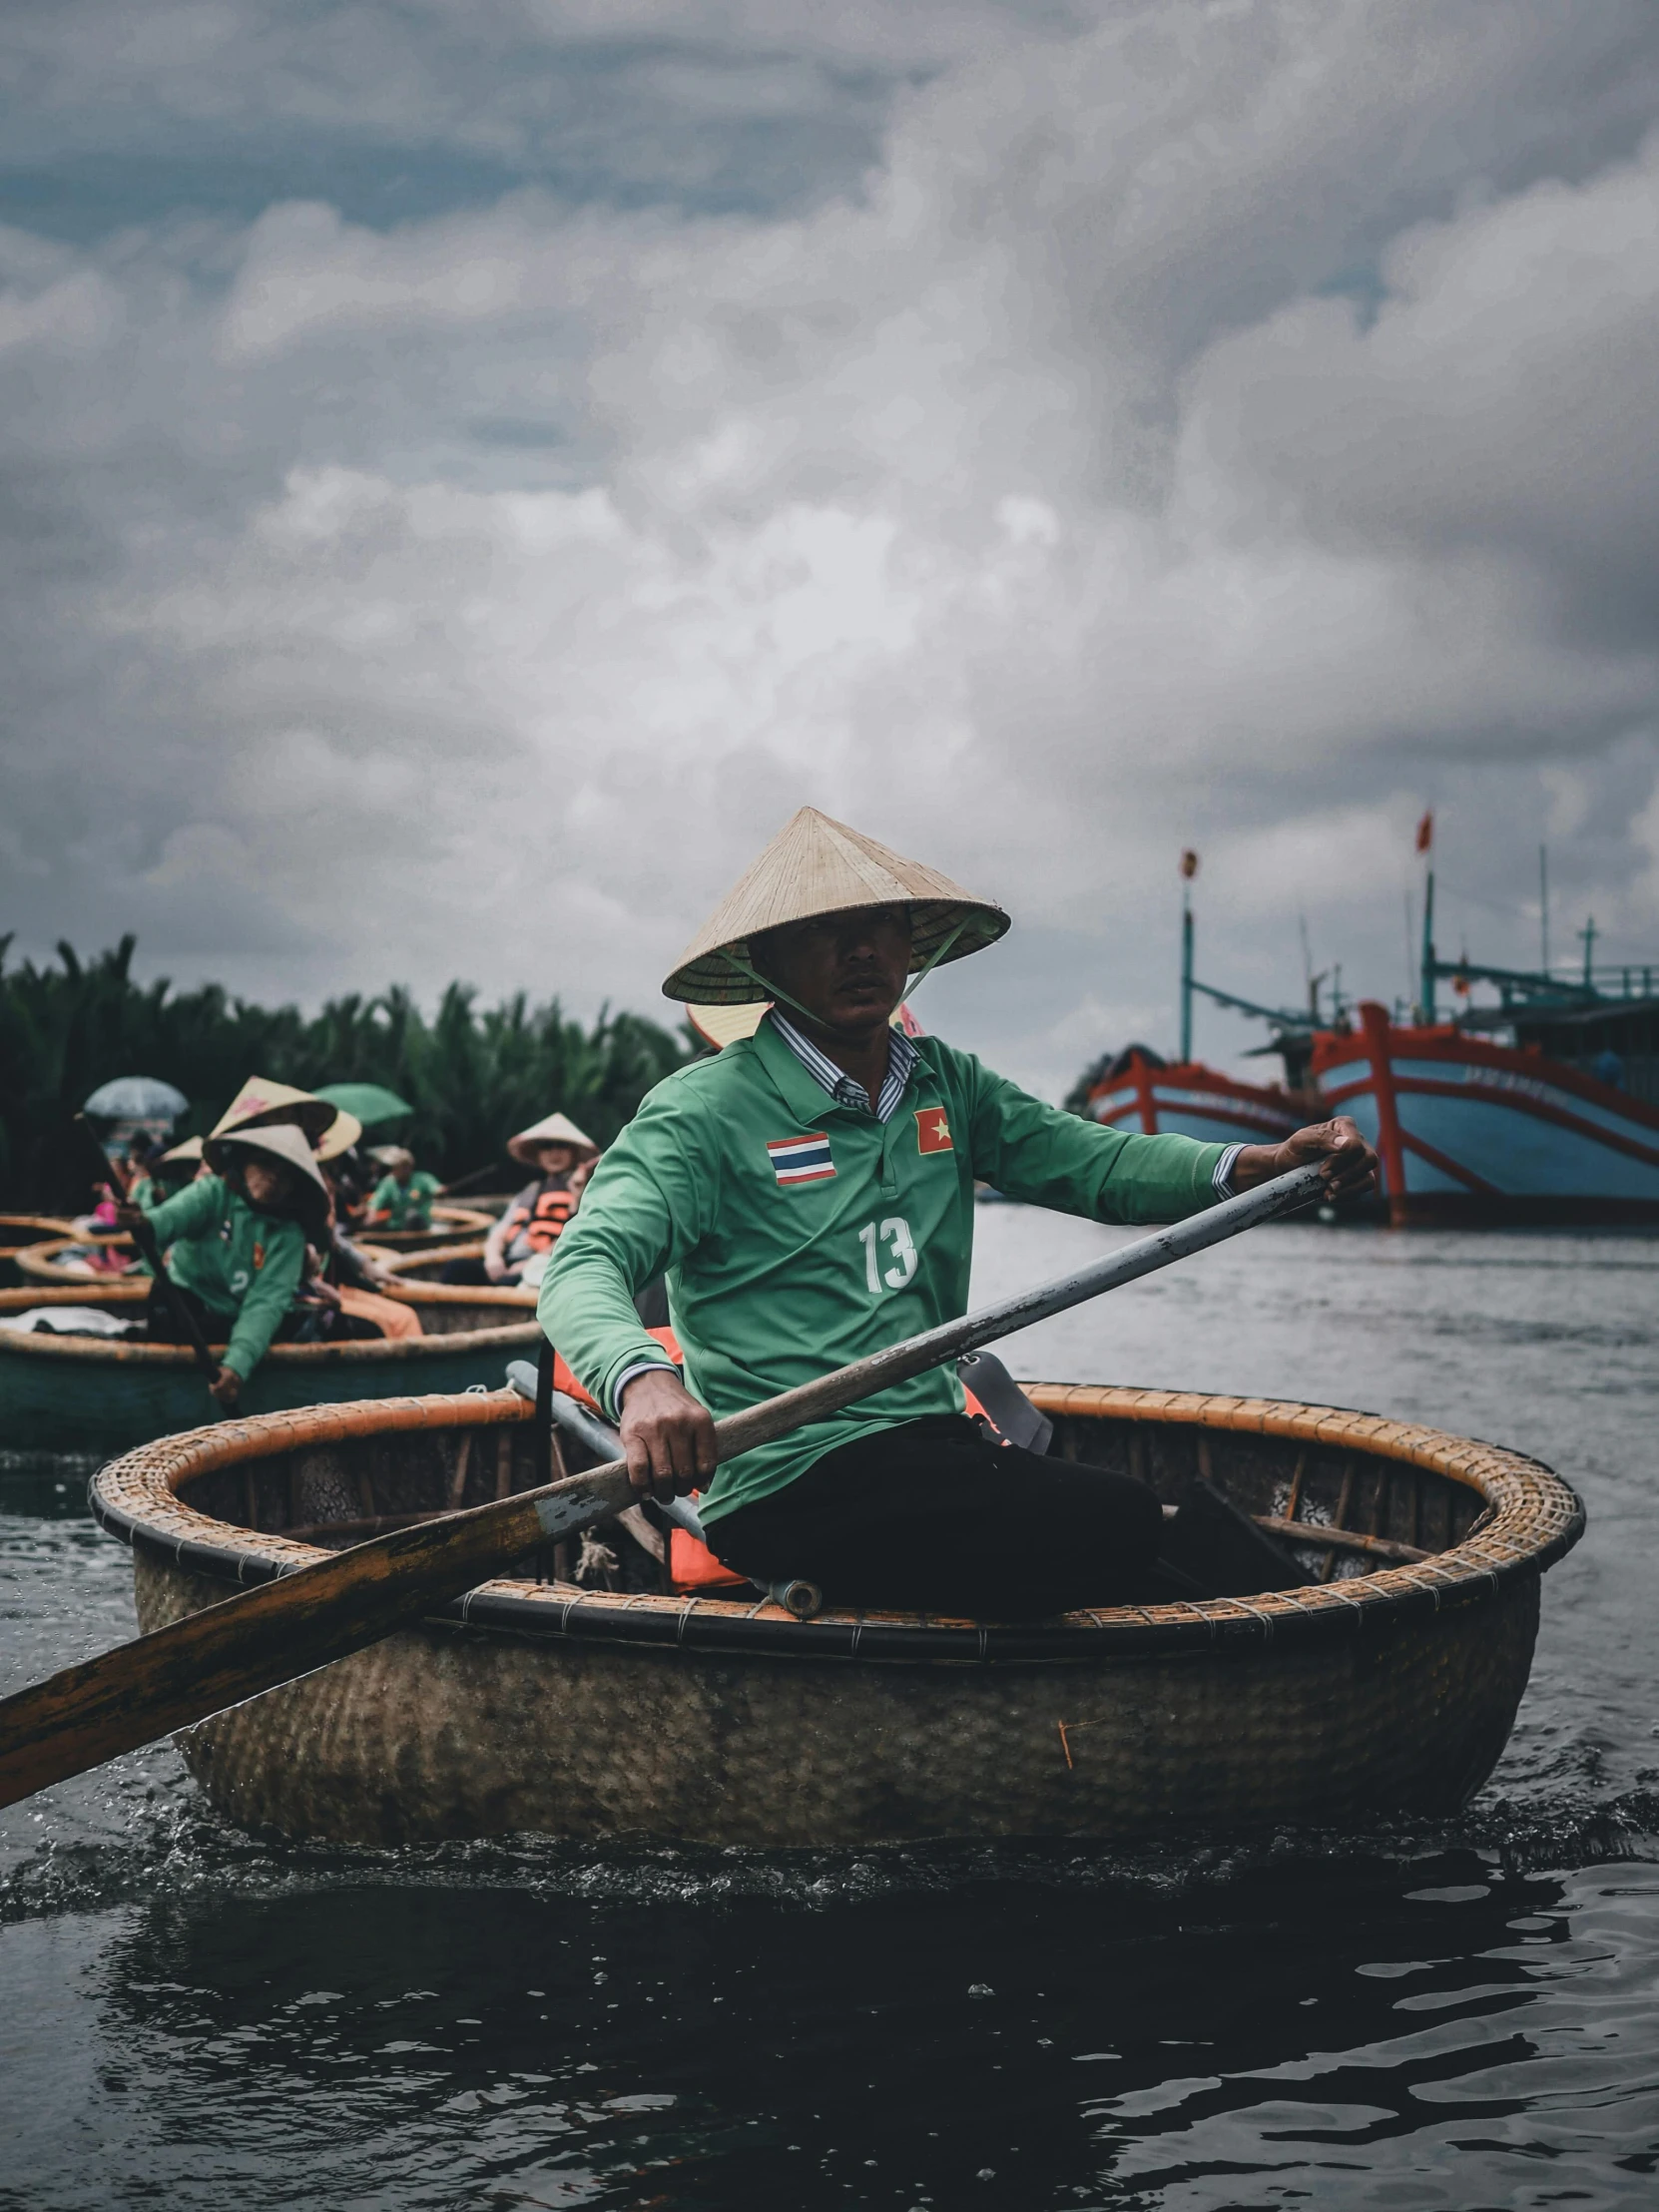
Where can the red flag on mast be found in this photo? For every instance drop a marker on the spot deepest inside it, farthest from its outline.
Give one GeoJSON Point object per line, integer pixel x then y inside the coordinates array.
{"type": "Point", "coordinates": [1425, 832]}
{"type": "Point", "coordinates": [1189, 863]}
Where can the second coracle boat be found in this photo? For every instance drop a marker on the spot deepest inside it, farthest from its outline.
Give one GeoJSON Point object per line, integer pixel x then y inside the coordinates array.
{"type": "Point", "coordinates": [91, 1392]}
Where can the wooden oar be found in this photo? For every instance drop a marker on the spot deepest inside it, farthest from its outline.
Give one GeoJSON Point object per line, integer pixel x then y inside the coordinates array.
{"type": "Point", "coordinates": [262, 1637]}
{"type": "Point", "coordinates": [465, 1182]}
{"type": "Point", "coordinates": [145, 1238]}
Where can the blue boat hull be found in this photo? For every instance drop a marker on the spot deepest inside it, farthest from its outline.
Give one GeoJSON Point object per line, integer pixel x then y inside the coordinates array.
{"type": "Point", "coordinates": [1472, 1133]}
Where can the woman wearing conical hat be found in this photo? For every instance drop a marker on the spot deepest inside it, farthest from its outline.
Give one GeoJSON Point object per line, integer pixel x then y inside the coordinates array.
{"type": "Point", "coordinates": [235, 1244]}
{"type": "Point", "coordinates": [809, 1192]}
{"type": "Point", "coordinates": [535, 1218]}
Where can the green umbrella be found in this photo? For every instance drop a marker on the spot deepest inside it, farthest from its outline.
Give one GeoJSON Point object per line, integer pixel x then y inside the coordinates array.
{"type": "Point", "coordinates": [371, 1103]}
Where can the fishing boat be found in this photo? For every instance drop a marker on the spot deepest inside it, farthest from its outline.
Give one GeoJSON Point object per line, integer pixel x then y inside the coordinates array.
{"type": "Point", "coordinates": [1538, 1107]}
{"type": "Point", "coordinates": [1138, 1090]}
{"type": "Point", "coordinates": [1386, 1685]}
{"type": "Point", "coordinates": [1472, 1133]}
{"type": "Point", "coordinates": [96, 1393]}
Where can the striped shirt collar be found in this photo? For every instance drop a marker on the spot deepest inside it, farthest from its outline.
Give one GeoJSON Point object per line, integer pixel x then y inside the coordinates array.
{"type": "Point", "coordinates": [846, 1089]}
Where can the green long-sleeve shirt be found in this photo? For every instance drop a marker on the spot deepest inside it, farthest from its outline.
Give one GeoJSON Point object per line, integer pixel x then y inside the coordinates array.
{"type": "Point", "coordinates": [799, 1234]}
{"type": "Point", "coordinates": [243, 1264]}
{"type": "Point", "coordinates": [405, 1205]}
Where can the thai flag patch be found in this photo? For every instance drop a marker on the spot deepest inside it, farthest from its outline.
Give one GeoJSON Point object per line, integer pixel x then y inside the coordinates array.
{"type": "Point", "coordinates": [800, 1159]}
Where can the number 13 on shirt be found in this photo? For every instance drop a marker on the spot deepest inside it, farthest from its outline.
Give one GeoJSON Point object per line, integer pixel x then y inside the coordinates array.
{"type": "Point", "coordinates": [890, 1269]}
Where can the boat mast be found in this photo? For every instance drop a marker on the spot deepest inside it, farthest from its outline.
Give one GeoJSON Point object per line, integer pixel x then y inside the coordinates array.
{"type": "Point", "coordinates": [1425, 845]}
{"type": "Point", "coordinates": [1543, 909]}
{"type": "Point", "coordinates": [1189, 869]}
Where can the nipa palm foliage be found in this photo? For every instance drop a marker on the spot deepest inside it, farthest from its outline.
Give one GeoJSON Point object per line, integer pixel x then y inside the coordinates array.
{"type": "Point", "coordinates": [473, 1076]}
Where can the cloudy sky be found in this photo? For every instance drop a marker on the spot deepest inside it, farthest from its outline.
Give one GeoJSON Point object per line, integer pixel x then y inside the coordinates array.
{"type": "Point", "coordinates": [470, 471]}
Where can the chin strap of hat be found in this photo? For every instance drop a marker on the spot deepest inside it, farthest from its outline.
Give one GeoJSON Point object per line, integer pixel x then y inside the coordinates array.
{"type": "Point", "coordinates": [773, 991]}
{"type": "Point", "coordinates": [931, 962]}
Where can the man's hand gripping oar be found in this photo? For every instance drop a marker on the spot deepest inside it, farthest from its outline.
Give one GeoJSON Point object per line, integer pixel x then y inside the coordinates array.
{"type": "Point", "coordinates": [262, 1637]}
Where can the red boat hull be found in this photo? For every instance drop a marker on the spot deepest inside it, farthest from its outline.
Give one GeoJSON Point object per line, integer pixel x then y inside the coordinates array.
{"type": "Point", "coordinates": [1191, 1100]}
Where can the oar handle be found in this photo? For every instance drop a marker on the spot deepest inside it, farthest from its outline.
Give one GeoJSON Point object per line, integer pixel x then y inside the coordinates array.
{"type": "Point", "coordinates": [776, 1416]}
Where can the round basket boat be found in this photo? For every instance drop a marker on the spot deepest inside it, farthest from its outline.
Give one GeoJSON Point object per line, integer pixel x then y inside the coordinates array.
{"type": "Point", "coordinates": [429, 1265]}
{"type": "Point", "coordinates": [62, 1259]}
{"type": "Point", "coordinates": [19, 1231]}
{"type": "Point", "coordinates": [76, 1394]}
{"type": "Point", "coordinates": [1390, 1686]}
{"type": "Point", "coordinates": [449, 1224]}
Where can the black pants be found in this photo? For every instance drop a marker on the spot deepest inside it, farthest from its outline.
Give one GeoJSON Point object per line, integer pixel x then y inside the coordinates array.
{"type": "Point", "coordinates": [932, 1517]}
{"type": "Point", "coordinates": [464, 1271]}
{"type": "Point", "coordinates": [161, 1326]}
{"type": "Point", "coordinates": [300, 1323]}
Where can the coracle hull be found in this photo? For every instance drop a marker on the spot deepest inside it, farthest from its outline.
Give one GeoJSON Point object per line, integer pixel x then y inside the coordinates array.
{"type": "Point", "coordinates": [535, 1706]}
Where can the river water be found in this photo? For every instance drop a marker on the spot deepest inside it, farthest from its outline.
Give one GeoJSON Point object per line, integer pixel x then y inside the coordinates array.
{"type": "Point", "coordinates": [1461, 2017]}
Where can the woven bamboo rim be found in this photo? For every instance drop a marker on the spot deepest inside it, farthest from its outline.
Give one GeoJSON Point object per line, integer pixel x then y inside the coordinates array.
{"type": "Point", "coordinates": [1535, 1519]}
{"type": "Point", "coordinates": [434, 1256]}
{"type": "Point", "coordinates": [447, 1220]}
{"type": "Point", "coordinates": [19, 1231]}
{"type": "Point", "coordinates": [44, 1261]}
{"type": "Point", "coordinates": [510, 1335]}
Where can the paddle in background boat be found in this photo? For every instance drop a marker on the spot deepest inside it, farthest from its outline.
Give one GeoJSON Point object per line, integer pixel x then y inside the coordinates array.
{"type": "Point", "coordinates": [197, 1665]}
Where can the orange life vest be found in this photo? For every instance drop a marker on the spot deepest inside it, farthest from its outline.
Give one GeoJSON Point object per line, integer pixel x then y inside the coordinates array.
{"type": "Point", "coordinates": [542, 1223]}
{"type": "Point", "coordinates": [692, 1565]}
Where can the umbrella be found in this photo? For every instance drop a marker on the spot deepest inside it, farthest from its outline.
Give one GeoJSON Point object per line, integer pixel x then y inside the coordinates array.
{"type": "Point", "coordinates": [371, 1103]}
{"type": "Point", "coordinates": [136, 1098]}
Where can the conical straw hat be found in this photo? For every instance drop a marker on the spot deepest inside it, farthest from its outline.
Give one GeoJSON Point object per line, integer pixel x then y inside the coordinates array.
{"type": "Point", "coordinates": [553, 1129]}
{"type": "Point", "coordinates": [818, 866]}
{"type": "Point", "coordinates": [260, 1102]}
{"type": "Point", "coordinates": [278, 1140]}
{"type": "Point", "coordinates": [723, 1025]}
{"type": "Point", "coordinates": [190, 1149]}
{"type": "Point", "coordinates": [340, 1136]}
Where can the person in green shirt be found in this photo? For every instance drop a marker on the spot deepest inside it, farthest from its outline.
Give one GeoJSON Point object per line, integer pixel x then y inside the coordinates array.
{"type": "Point", "coordinates": [234, 1245]}
{"type": "Point", "coordinates": [403, 1196]}
{"type": "Point", "coordinates": [809, 1193]}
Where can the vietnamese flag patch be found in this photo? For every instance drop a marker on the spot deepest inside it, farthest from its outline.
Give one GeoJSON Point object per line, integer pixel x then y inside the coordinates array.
{"type": "Point", "coordinates": [933, 1130]}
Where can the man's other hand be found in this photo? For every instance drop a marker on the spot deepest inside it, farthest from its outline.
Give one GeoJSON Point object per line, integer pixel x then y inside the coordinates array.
{"type": "Point", "coordinates": [669, 1438]}
{"type": "Point", "coordinates": [225, 1388]}
{"type": "Point", "coordinates": [1347, 1162]}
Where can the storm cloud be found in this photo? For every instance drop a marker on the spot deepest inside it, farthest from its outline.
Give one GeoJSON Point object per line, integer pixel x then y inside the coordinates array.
{"type": "Point", "coordinates": [467, 474]}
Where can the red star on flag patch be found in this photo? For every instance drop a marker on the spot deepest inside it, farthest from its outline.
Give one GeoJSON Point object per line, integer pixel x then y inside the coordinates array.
{"type": "Point", "coordinates": [933, 1130]}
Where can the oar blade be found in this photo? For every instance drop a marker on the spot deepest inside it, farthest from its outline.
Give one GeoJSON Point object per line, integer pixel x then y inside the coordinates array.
{"type": "Point", "coordinates": [261, 1639]}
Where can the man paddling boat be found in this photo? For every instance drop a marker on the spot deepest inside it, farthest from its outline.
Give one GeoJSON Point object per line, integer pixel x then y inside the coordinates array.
{"type": "Point", "coordinates": [402, 1199]}
{"type": "Point", "coordinates": [810, 1194]}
